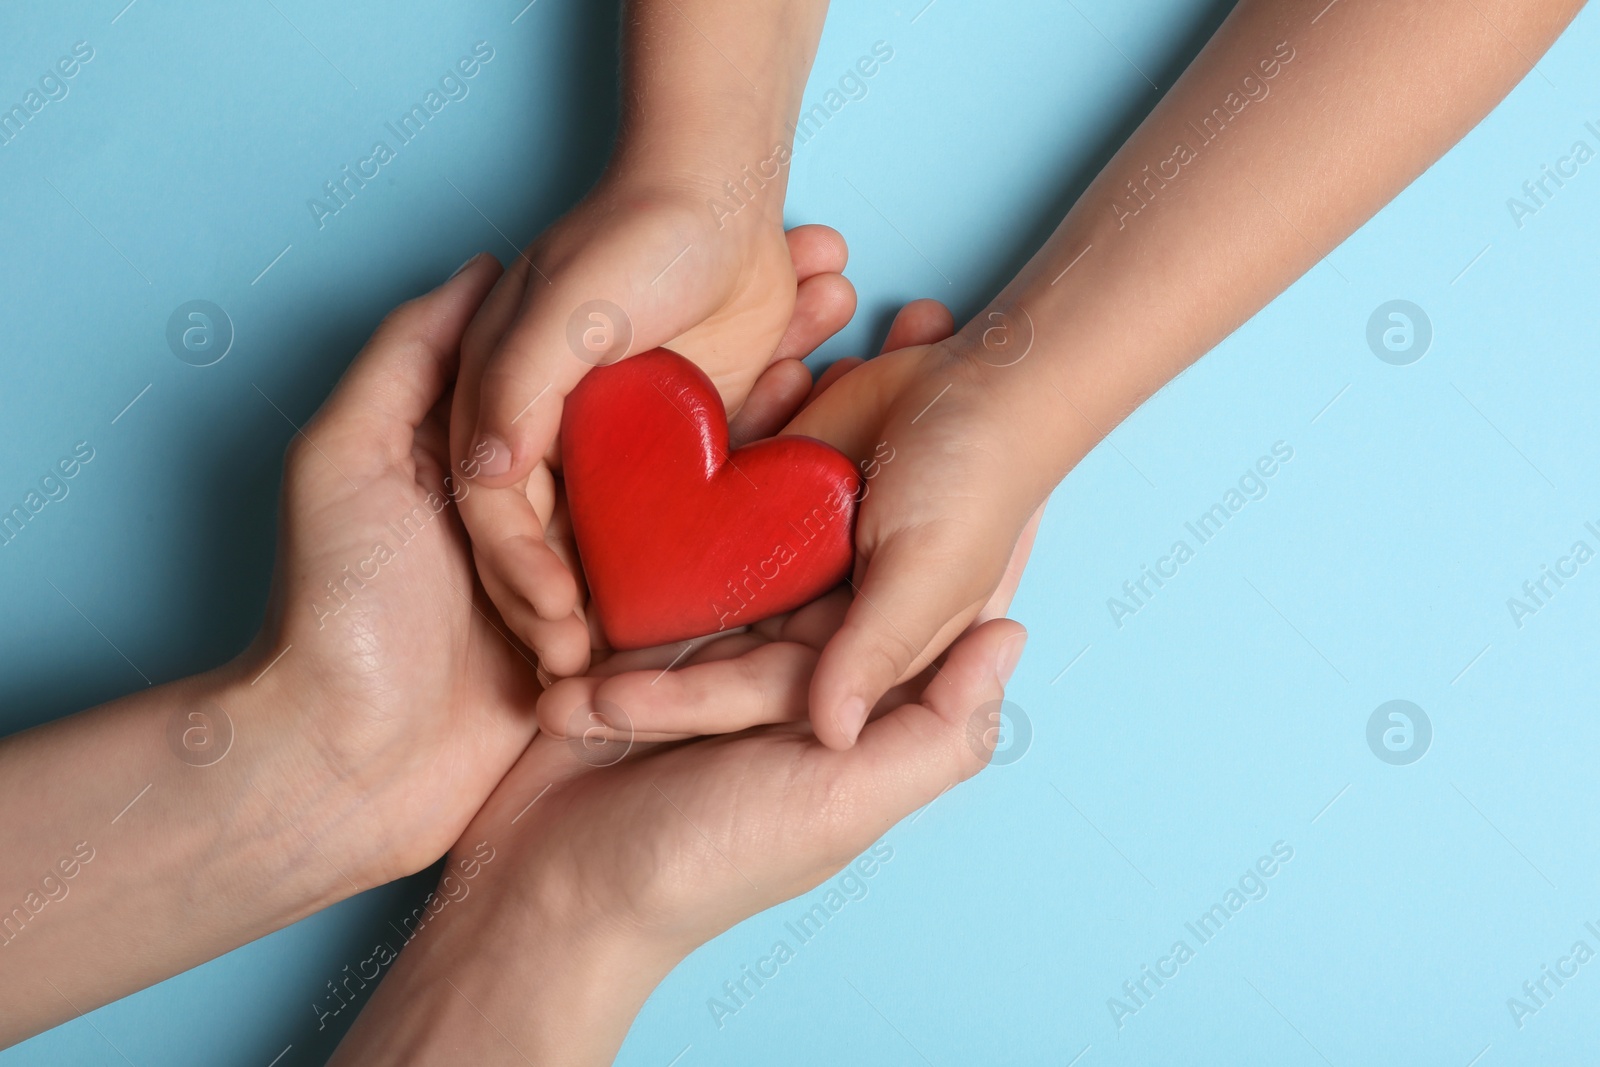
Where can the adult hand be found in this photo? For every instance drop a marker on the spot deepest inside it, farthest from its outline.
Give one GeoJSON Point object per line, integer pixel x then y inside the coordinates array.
{"type": "Point", "coordinates": [412, 693]}
{"type": "Point", "coordinates": [603, 877]}
{"type": "Point", "coordinates": [350, 743]}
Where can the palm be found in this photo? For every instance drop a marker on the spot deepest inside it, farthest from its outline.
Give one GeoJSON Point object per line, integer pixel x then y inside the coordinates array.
{"type": "Point", "coordinates": [958, 498]}
{"type": "Point", "coordinates": [376, 602]}
{"type": "Point", "coordinates": [603, 877]}
{"type": "Point", "coordinates": [678, 838]}
{"type": "Point", "coordinates": [678, 832]}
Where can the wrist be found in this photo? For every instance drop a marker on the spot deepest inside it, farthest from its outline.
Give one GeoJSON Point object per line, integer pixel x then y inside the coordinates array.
{"type": "Point", "coordinates": [1016, 382]}
{"type": "Point", "coordinates": [182, 811]}
{"type": "Point", "coordinates": [703, 132]}
{"type": "Point", "coordinates": [738, 221]}
{"type": "Point", "coordinates": [315, 809]}
{"type": "Point", "coordinates": [290, 817]}
{"type": "Point", "coordinates": [736, 181]}
{"type": "Point", "coordinates": [500, 976]}
{"type": "Point", "coordinates": [716, 109]}
{"type": "Point", "coordinates": [1104, 325]}
{"type": "Point", "coordinates": [568, 993]}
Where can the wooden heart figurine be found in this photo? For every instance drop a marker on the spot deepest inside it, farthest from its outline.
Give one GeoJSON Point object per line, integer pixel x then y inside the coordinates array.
{"type": "Point", "coordinates": [678, 537]}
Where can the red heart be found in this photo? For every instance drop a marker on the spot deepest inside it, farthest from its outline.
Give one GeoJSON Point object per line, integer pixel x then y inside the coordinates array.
{"type": "Point", "coordinates": [678, 537]}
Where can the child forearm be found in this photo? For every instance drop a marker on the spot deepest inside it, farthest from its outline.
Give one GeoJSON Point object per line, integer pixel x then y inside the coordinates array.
{"type": "Point", "coordinates": [711, 91]}
{"type": "Point", "coordinates": [1293, 127]}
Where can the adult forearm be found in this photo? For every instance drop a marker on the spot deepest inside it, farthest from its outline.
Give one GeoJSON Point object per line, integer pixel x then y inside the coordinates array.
{"type": "Point", "coordinates": [151, 834]}
{"type": "Point", "coordinates": [1293, 127]}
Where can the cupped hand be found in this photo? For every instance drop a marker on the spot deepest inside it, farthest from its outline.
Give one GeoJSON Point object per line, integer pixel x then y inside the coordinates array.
{"type": "Point", "coordinates": [762, 674]}
{"type": "Point", "coordinates": [958, 489]}
{"type": "Point", "coordinates": [685, 840]}
{"type": "Point", "coordinates": [591, 871]}
{"type": "Point", "coordinates": [630, 269]}
{"type": "Point", "coordinates": [393, 661]}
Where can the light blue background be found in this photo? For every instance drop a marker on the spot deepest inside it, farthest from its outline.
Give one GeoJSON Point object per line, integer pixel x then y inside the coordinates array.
{"type": "Point", "coordinates": [1228, 714]}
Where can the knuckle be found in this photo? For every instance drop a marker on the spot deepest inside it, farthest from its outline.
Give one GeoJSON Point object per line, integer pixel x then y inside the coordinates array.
{"type": "Point", "coordinates": [753, 681]}
{"type": "Point", "coordinates": [888, 654]}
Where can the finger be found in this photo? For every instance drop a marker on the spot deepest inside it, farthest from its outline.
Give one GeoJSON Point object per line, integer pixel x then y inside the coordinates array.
{"type": "Point", "coordinates": [656, 658]}
{"type": "Point", "coordinates": [560, 644]}
{"type": "Point", "coordinates": [533, 586]}
{"type": "Point", "coordinates": [766, 684]}
{"type": "Point", "coordinates": [533, 573]}
{"type": "Point", "coordinates": [823, 306]}
{"type": "Point", "coordinates": [836, 370]}
{"type": "Point", "coordinates": [812, 624]}
{"type": "Point", "coordinates": [817, 249]}
{"type": "Point", "coordinates": [852, 412]}
{"type": "Point", "coordinates": [772, 402]}
{"type": "Point", "coordinates": [401, 373]}
{"type": "Point", "coordinates": [592, 308]}
{"type": "Point", "coordinates": [514, 566]}
{"type": "Point", "coordinates": [482, 338]}
{"type": "Point", "coordinates": [527, 580]}
{"type": "Point", "coordinates": [908, 757]}
{"type": "Point", "coordinates": [535, 594]}
{"type": "Point", "coordinates": [517, 398]}
{"type": "Point", "coordinates": [921, 322]}
{"type": "Point", "coordinates": [920, 589]}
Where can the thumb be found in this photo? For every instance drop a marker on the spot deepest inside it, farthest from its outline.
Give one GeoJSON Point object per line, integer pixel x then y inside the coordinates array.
{"type": "Point", "coordinates": [609, 300]}
{"type": "Point", "coordinates": [917, 751]}
{"type": "Point", "coordinates": [552, 343]}
{"type": "Point", "coordinates": [921, 587]}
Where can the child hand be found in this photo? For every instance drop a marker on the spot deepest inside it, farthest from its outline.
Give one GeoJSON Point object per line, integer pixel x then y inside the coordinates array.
{"type": "Point", "coordinates": [954, 497]}
{"type": "Point", "coordinates": [628, 270]}
{"type": "Point", "coordinates": [761, 674]}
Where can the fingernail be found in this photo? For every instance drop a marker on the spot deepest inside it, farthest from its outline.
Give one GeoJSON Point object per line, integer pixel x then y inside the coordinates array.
{"type": "Point", "coordinates": [465, 265]}
{"type": "Point", "coordinates": [1010, 653]}
{"type": "Point", "coordinates": [851, 717]}
{"type": "Point", "coordinates": [493, 455]}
